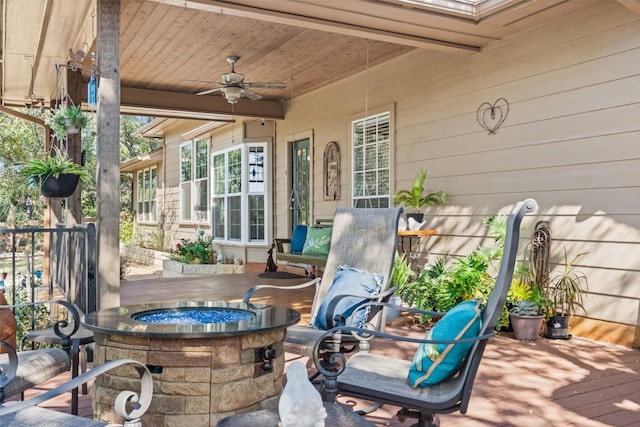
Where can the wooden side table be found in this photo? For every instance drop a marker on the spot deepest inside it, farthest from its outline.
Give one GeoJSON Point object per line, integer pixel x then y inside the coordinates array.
{"type": "Point", "coordinates": [338, 415]}
{"type": "Point", "coordinates": [414, 239]}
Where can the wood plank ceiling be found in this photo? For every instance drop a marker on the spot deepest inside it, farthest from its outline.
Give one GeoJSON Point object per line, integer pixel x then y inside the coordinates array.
{"type": "Point", "coordinates": [172, 49]}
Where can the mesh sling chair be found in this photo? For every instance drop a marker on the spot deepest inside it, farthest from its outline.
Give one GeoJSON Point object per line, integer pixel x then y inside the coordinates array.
{"type": "Point", "coordinates": [383, 379]}
{"type": "Point", "coordinates": [365, 240]}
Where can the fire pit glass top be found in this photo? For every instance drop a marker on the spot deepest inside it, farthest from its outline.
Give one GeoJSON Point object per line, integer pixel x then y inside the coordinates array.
{"type": "Point", "coordinates": [191, 315]}
{"type": "Point", "coordinates": [131, 320]}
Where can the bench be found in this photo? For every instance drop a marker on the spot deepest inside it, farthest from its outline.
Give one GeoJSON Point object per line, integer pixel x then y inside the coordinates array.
{"type": "Point", "coordinates": [283, 248]}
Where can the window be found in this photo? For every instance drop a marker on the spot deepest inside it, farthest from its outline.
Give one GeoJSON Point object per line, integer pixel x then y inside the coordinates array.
{"type": "Point", "coordinates": [239, 192]}
{"type": "Point", "coordinates": [147, 189]}
{"type": "Point", "coordinates": [194, 181]}
{"type": "Point", "coordinates": [371, 142]}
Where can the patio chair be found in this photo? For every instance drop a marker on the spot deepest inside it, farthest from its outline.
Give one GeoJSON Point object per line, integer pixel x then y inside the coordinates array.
{"type": "Point", "coordinates": [363, 245]}
{"type": "Point", "coordinates": [33, 367]}
{"type": "Point", "coordinates": [76, 345]}
{"type": "Point", "coordinates": [26, 414]}
{"type": "Point", "coordinates": [384, 379]}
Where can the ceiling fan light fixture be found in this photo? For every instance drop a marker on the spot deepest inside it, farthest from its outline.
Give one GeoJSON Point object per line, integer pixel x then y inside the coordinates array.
{"type": "Point", "coordinates": [232, 94]}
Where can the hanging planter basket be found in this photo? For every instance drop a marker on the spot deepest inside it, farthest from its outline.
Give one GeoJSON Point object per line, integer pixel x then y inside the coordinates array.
{"type": "Point", "coordinates": [70, 127]}
{"type": "Point", "coordinates": [60, 187]}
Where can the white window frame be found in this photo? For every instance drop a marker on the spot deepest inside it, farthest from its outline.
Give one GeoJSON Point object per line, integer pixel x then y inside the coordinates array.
{"type": "Point", "coordinates": [378, 177]}
{"type": "Point", "coordinates": [147, 194]}
{"type": "Point", "coordinates": [190, 185]}
{"type": "Point", "coordinates": [222, 231]}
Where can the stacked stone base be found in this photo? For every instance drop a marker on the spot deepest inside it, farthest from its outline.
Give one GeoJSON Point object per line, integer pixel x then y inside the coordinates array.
{"type": "Point", "coordinates": [197, 381]}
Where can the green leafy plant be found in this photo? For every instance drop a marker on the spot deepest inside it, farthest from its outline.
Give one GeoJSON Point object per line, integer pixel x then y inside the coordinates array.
{"type": "Point", "coordinates": [441, 286]}
{"type": "Point", "coordinates": [416, 198]}
{"type": "Point", "coordinates": [63, 117]}
{"type": "Point", "coordinates": [24, 312]}
{"type": "Point", "coordinates": [527, 298]}
{"type": "Point", "coordinates": [568, 287]}
{"type": "Point", "coordinates": [401, 273]}
{"type": "Point", "coordinates": [54, 165]}
{"type": "Point", "coordinates": [198, 251]}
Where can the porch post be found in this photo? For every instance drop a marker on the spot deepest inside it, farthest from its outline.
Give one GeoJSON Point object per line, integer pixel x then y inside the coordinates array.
{"type": "Point", "coordinates": [108, 154]}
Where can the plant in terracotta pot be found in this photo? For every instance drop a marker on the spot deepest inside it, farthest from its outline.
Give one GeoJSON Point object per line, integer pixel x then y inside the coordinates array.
{"type": "Point", "coordinates": [66, 120]}
{"type": "Point", "coordinates": [56, 174]}
{"type": "Point", "coordinates": [416, 199]}
{"type": "Point", "coordinates": [566, 290]}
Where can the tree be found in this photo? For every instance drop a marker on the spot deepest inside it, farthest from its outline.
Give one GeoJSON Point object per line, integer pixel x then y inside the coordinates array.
{"type": "Point", "coordinates": [19, 139]}
{"type": "Point", "coordinates": [131, 146]}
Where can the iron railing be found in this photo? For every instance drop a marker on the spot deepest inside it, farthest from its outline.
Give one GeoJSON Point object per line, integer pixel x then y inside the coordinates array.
{"type": "Point", "coordinates": [68, 263]}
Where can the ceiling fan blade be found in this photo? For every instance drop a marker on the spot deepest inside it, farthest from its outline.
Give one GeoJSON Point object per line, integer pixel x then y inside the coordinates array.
{"type": "Point", "coordinates": [207, 92]}
{"type": "Point", "coordinates": [251, 94]}
{"type": "Point", "coordinates": [202, 81]}
{"type": "Point", "coordinates": [266, 85]}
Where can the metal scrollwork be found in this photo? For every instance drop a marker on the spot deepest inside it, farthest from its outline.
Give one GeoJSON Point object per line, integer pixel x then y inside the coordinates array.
{"type": "Point", "coordinates": [491, 116]}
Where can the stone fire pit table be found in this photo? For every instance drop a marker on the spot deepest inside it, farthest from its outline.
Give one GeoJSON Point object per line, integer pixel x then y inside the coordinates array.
{"type": "Point", "coordinates": [202, 372]}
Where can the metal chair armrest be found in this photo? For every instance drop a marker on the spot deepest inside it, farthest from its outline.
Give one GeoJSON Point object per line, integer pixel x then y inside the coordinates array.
{"type": "Point", "coordinates": [65, 328]}
{"type": "Point", "coordinates": [250, 292]}
{"type": "Point", "coordinates": [123, 399]}
{"type": "Point", "coordinates": [373, 300]}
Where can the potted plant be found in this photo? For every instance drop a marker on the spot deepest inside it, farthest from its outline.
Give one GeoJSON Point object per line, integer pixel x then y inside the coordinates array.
{"type": "Point", "coordinates": [56, 174]}
{"type": "Point", "coordinates": [566, 290]}
{"type": "Point", "coordinates": [401, 274]}
{"type": "Point", "coordinates": [529, 309]}
{"type": "Point", "coordinates": [67, 120]}
{"type": "Point", "coordinates": [415, 198]}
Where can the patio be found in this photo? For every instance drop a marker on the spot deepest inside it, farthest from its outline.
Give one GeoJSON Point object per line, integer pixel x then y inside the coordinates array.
{"type": "Point", "coordinates": [550, 382]}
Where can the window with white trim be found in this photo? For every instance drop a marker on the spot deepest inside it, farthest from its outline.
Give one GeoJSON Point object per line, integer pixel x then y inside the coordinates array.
{"type": "Point", "coordinates": [194, 181]}
{"type": "Point", "coordinates": [239, 192]}
{"type": "Point", "coordinates": [147, 190]}
{"type": "Point", "coordinates": [371, 145]}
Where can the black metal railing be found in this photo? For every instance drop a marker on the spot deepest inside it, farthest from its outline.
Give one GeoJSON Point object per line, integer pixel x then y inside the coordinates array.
{"type": "Point", "coordinates": [68, 259]}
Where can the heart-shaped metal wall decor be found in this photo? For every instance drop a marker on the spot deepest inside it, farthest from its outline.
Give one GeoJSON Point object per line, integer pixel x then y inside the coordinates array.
{"type": "Point", "coordinates": [491, 116]}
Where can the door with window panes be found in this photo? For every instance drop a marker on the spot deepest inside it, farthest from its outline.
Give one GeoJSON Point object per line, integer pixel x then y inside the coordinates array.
{"type": "Point", "coordinates": [300, 205]}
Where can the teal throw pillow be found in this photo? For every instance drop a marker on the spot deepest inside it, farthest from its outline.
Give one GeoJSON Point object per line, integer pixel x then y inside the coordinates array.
{"type": "Point", "coordinates": [434, 363]}
{"type": "Point", "coordinates": [318, 241]}
{"type": "Point", "coordinates": [360, 285]}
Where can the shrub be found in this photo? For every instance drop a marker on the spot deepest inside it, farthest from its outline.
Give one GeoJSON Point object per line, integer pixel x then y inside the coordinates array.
{"type": "Point", "coordinates": [440, 287]}
{"type": "Point", "coordinates": [24, 312]}
{"type": "Point", "coordinates": [198, 251]}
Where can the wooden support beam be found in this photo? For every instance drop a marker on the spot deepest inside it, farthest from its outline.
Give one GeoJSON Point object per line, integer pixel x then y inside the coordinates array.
{"type": "Point", "coordinates": [75, 90]}
{"type": "Point", "coordinates": [163, 100]}
{"type": "Point", "coordinates": [108, 155]}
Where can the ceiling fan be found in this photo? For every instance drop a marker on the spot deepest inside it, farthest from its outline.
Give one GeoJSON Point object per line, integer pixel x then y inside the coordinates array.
{"type": "Point", "coordinates": [233, 86]}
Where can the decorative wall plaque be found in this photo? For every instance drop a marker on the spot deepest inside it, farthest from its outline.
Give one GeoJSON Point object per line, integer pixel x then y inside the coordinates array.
{"type": "Point", "coordinates": [331, 175]}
